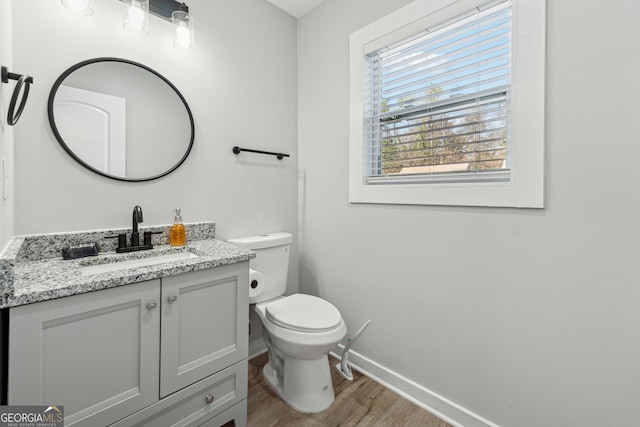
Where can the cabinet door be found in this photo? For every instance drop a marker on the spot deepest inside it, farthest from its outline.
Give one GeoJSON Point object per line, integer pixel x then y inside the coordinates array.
{"type": "Point", "coordinates": [96, 353]}
{"type": "Point", "coordinates": [204, 324]}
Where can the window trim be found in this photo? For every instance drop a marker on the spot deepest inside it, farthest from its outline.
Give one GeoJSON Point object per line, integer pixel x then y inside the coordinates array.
{"type": "Point", "coordinates": [525, 189]}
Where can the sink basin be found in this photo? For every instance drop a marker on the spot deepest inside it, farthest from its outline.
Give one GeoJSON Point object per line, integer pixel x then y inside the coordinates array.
{"type": "Point", "coordinates": [135, 263]}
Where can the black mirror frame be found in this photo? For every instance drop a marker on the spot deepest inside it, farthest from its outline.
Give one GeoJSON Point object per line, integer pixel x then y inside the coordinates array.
{"type": "Point", "coordinates": [54, 128]}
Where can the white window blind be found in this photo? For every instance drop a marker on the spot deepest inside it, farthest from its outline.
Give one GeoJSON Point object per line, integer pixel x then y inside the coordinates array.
{"type": "Point", "coordinates": [437, 104]}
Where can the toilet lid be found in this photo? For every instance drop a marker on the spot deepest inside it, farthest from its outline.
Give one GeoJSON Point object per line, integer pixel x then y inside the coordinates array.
{"type": "Point", "coordinates": [305, 313]}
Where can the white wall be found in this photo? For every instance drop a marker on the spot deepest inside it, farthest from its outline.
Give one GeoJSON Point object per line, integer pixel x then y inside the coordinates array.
{"type": "Point", "coordinates": [523, 317]}
{"type": "Point", "coordinates": [240, 83]}
{"type": "Point", "coordinates": [7, 207]}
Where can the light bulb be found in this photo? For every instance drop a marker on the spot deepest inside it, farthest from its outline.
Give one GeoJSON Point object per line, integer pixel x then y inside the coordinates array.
{"type": "Point", "coordinates": [183, 37]}
{"type": "Point", "coordinates": [78, 4]}
{"type": "Point", "coordinates": [184, 29]}
{"type": "Point", "coordinates": [135, 18]}
{"type": "Point", "coordinates": [80, 7]}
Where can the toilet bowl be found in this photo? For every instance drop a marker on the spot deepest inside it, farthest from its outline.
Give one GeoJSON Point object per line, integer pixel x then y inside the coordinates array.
{"type": "Point", "coordinates": [298, 368]}
{"type": "Point", "coordinates": [299, 330]}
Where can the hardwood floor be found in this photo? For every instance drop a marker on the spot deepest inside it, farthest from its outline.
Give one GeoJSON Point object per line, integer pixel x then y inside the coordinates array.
{"type": "Point", "coordinates": [361, 402]}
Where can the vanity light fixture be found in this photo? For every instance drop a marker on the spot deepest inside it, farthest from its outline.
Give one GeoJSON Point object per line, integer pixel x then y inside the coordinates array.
{"type": "Point", "coordinates": [81, 7]}
{"type": "Point", "coordinates": [169, 10]}
{"type": "Point", "coordinates": [136, 17]}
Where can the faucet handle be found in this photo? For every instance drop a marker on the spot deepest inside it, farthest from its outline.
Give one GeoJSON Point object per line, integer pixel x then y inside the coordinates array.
{"type": "Point", "coordinates": [122, 239]}
{"type": "Point", "coordinates": [147, 236]}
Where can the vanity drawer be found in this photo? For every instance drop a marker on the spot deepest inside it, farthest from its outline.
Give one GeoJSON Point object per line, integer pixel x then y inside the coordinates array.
{"type": "Point", "coordinates": [196, 404]}
{"type": "Point", "coordinates": [236, 416]}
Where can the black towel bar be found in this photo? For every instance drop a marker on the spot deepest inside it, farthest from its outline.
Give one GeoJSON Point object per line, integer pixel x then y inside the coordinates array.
{"type": "Point", "coordinates": [280, 156]}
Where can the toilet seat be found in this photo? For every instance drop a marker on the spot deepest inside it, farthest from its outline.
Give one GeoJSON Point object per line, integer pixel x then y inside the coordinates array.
{"type": "Point", "coordinates": [304, 313]}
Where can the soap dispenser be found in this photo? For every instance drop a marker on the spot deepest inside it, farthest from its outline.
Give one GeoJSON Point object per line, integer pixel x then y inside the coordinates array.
{"type": "Point", "coordinates": [176, 232]}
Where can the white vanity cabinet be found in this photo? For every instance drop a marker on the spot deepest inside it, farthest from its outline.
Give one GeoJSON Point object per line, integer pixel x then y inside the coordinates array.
{"type": "Point", "coordinates": [96, 353]}
{"type": "Point", "coordinates": [170, 351]}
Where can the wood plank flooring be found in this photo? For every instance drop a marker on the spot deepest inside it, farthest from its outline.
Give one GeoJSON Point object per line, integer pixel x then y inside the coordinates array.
{"type": "Point", "coordinates": [361, 402]}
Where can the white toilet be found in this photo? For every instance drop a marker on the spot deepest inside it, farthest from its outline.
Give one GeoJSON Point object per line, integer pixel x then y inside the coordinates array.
{"type": "Point", "coordinates": [299, 329]}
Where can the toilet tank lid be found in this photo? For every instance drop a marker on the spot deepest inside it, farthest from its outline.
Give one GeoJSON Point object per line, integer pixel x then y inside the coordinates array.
{"type": "Point", "coordinates": [260, 241]}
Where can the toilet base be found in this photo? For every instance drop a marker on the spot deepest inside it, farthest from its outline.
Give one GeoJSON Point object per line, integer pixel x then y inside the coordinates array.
{"type": "Point", "coordinates": [306, 385]}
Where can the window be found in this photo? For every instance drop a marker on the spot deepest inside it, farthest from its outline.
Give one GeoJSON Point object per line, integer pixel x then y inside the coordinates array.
{"type": "Point", "coordinates": [449, 108]}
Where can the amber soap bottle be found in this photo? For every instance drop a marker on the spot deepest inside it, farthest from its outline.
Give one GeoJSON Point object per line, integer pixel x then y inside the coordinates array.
{"type": "Point", "coordinates": [177, 235]}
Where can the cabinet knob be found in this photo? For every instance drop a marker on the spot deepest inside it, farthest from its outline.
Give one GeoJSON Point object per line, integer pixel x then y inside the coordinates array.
{"type": "Point", "coordinates": [172, 299]}
{"type": "Point", "coordinates": [209, 399]}
{"type": "Point", "coordinates": [152, 305]}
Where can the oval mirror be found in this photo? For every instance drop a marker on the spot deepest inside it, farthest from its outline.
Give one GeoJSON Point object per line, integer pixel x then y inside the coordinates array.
{"type": "Point", "coordinates": [121, 119]}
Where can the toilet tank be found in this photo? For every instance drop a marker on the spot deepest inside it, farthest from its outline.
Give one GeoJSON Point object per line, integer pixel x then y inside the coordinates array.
{"type": "Point", "coordinates": [272, 260]}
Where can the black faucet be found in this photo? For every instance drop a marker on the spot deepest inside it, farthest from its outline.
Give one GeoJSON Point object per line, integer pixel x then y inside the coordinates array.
{"type": "Point", "coordinates": [137, 218]}
{"type": "Point", "coordinates": [135, 235]}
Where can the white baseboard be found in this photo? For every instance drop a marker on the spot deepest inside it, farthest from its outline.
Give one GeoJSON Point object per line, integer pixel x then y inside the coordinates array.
{"type": "Point", "coordinates": [428, 400]}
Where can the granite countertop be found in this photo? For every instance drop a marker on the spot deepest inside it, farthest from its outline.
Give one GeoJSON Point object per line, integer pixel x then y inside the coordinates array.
{"type": "Point", "coordinates": [29, 275]}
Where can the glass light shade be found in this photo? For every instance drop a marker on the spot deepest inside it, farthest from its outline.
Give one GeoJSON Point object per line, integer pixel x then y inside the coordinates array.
{"type": "Point", "coordinates": [80, 7]}
{"type": "Point", "coordinates": [136, 16]}
{"type": "Point", "coordinates": [184, 36]}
